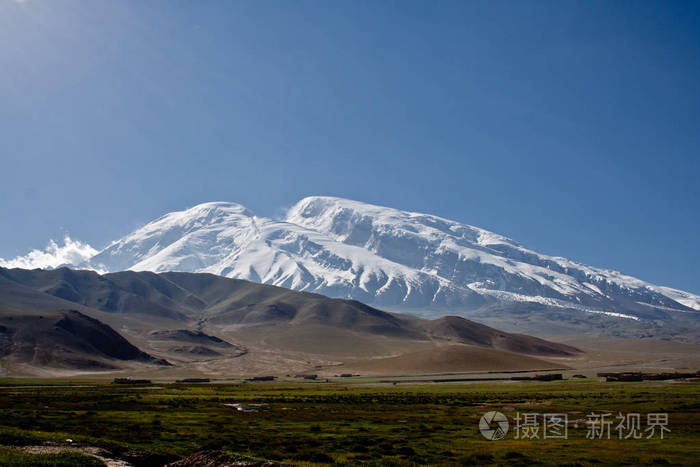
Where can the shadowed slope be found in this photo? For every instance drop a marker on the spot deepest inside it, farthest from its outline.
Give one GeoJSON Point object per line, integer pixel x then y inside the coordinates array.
{"type": "Point", "coordinates": [457, 329]}
{"type": "Point", "coordinates": [66, 339]}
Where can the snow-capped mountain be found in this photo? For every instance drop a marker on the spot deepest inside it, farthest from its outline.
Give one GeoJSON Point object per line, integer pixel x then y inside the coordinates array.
{"type": "Point", "coordinates": [382, 256]}
{"type": "Point", "coordinates": [229, 240]}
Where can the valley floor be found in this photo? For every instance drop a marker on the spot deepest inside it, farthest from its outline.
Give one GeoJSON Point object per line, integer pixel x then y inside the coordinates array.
{"type": "Point", "coordinates": [350, 421]}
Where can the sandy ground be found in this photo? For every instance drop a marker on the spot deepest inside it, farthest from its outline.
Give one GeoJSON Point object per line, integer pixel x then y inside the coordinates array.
{"type": "Point", "coordinates": [88, 450]}
{"type": "Point", "coordinates": [649, 355]}
{"type": "Point", "coordinates": [600, 354]}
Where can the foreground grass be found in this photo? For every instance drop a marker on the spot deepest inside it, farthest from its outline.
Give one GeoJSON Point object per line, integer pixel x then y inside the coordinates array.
{"type": "Point", "coordinates": [15, 457]}
{"type": "Point", "coordinates": [350, 423]}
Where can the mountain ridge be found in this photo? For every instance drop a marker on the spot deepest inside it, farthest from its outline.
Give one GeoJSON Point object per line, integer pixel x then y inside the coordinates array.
{"type": "Point", "coordinates": [226, 301]}
{"type": "Point", "coordinates": [214, 323]}
{"type": "Point", "coordinates": [400, 260]}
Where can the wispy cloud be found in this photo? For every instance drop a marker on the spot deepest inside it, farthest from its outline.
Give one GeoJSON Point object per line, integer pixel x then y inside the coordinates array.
{"type": "Point", "coordinates": [72, 253]}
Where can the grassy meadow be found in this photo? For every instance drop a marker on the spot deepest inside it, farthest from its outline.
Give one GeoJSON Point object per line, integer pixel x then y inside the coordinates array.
{"type": "Point", "coordinates": [343, 421]}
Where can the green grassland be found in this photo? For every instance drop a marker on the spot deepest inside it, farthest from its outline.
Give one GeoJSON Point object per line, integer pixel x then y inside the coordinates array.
{"type": "Point", "coordinates": [15, 457]}
{"type": "Point", "coordinates": [345, 422]}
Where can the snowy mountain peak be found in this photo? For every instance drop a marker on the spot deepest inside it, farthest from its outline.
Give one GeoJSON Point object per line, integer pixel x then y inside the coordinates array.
{"type": "Point", "coordinates": [348, 220]}
{"type": "Point", "coordinates": [383, 256]}
{"type": "Point", "coordinates": [164, 243]}
{"type": "Point", "coordinates": [212, 211]}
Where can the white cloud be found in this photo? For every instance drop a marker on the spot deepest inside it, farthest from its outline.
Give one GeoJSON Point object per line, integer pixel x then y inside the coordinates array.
{"type": "Point", "coordinates": [72, 253]}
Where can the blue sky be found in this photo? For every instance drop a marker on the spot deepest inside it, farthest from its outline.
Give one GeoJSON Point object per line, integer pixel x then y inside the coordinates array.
{"type": "Point", "coordinates": [572, 127]}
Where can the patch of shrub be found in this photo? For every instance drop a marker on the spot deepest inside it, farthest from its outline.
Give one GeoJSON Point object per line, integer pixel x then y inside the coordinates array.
{"type": "Point", "coordinates": [406, 451]}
